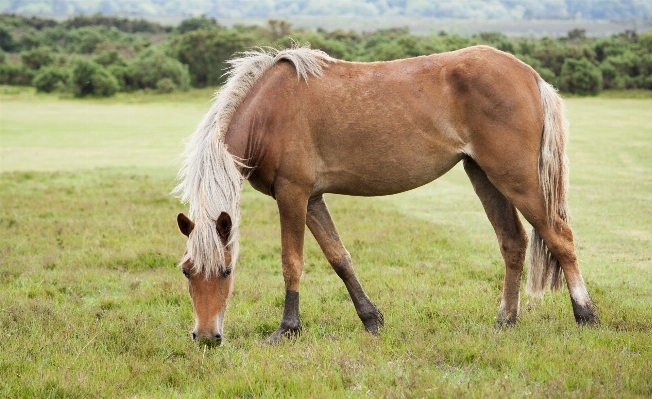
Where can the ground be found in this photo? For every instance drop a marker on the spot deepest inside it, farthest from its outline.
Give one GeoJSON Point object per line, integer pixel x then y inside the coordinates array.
{"type": "Point", "coordinates": [92, 302]}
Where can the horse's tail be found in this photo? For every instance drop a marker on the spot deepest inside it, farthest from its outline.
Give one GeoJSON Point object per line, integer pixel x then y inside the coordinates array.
{"type": "Point", "coordinates": [553, 179]}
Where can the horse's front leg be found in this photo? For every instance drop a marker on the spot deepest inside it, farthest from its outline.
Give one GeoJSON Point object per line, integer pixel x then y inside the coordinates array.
{"type": "Point", "coordinates": [322, 227]}
{"type": "Point", "coordinates": [292, 202]}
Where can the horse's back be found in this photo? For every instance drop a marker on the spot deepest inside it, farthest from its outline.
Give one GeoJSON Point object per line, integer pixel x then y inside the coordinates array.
{"type": "Point", "coordinates": [385, 127]}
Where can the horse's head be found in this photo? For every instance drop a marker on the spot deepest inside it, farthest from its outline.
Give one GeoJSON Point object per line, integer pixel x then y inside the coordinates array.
{"type": "Point", "coordinates": [208, 290]}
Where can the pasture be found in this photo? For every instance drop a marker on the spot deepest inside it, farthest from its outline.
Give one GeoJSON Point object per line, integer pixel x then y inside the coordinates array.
{"type": "Point", "coordinates": [92, 303]}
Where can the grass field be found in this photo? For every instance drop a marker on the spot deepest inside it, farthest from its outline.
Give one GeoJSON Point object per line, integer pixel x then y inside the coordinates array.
{"type": "Point", "coordinates": [92, 303]}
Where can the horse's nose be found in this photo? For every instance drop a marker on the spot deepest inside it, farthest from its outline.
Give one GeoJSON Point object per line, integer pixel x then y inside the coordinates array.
{"type": "Point", "coordinates": [217, 338]}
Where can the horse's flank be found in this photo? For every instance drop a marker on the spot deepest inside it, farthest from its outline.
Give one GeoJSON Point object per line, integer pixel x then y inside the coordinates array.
{"type": "Point", "coordinates": [210, 178]}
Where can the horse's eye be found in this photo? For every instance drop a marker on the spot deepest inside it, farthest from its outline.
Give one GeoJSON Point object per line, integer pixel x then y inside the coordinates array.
{"type": "Point", "coordinates": [186, 272]}
{"type": "Point", "coordinates": [226, 273]}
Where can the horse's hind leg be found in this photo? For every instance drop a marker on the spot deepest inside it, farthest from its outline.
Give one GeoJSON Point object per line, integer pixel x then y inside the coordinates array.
{"type": "Point", "coordinates": [512, 238]}
{"type": "Point", "coordinates": [321, 225]}
{"type": "Point", "coordinates": [521, 188]}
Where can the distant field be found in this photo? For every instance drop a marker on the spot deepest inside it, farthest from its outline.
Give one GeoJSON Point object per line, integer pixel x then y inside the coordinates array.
{"type": "Point", "coordinates": [92, 303]}
{"type": "Point", "coordinates": [464, 27]}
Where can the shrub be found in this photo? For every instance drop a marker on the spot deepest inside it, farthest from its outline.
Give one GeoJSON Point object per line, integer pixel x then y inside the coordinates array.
{"type": "Point", "coordinates": [50, 78]}
{"type": "Point", "coordinates": [110, 57]}
{"type": "Point", "coordinates": [7, 41]}
{"type": "Point", "coordinates": [206, 52]}
{"type": "Point", "coordinates": [37, 57]}
{"type": "Point", "coordinates": [121, 74]}
{"type": "Point", "coordinates": [15, 75]}
{"type": "Point", "coordinates": [611, 79]}
{"type": "Point", "coordinates": [192, 24]}
{"type": "Point", "coordinates": [580, 76]}
{"type": "Point", "coordinates": [165, 85]}
{"type": "Point", "coordinates": [89, 78]}
{"type": "Point", "coordinates": [152, 65]}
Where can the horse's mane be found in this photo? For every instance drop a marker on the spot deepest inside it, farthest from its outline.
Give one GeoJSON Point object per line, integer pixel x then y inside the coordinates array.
{"type": "Point", "coordinates": [209, 179]}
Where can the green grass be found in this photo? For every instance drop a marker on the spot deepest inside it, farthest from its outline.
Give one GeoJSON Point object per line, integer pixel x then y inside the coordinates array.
{"type": "Point", "coordinates": [92, 303]}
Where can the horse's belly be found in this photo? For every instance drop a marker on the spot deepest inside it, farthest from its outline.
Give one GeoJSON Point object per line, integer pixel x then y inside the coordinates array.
{"type": "Point", "coordinates": [387, 176]}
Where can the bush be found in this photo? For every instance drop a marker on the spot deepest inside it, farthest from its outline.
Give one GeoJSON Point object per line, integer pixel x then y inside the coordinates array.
{"type": "Point", "coordinates": [165, 85]}
{"type": "Point", "coordinates": [37, 57]}
{"type": "Point", "coordinates": [89, 78]}
{"type": "Point", "coordinates": [611, 79]}
{"type": "Point", "coordinates": [7, 41]}
{"type": "Point", "coordinates": [111, 57]}
{"type": "Point", "coordinates": [50, 78]}
{"type": "Point", "coordinates": [192, 24]}
{"type": "Point", "coordinates": [121, 74]}
{"type": "Point", "coordinates": [206, 52]}
{"type": "Point", "coordinates": [15, 75]}
{"type": "Point", "coordinates": [152, 65]}
{"type": "Point", "coordinates": [580, 76]}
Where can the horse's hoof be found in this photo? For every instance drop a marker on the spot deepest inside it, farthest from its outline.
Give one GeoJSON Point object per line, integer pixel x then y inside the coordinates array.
{"type": "Point", "coordinates": [373, 321]}
{"type": "Point", "coordinates": [585, 315]}
{"type": "Point", "coordinates": [505, 320]}
{"type": "Point", "coordinates": [589, 320]}
{"type": "Point", "coordinates": [280, 333]}
{"type": "Point", "coordinates": [504, 323]}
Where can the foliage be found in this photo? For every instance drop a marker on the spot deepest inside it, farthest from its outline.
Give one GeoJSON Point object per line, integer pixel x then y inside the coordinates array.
{"type": "Point", "coordinates": [580, 76]}
{"type": "Point", "coordinates": [122, 24]}
{"type": "Point", "coordinates": [203, 46]}
{"type": "Point", "coordinates": [206, 52]}
{"type": "Point", "coordinates": [111, 57]}
{"type": "Point", "coordinates": [191, 24]}
{"type": "Point", "coordinates": [89, 78]}
{"type": "Point", "coordinates": [51, 78]}
{"type": "Point", "coordinates": [151, 66]}
{"type": "Point", "coordinates": [37, 57]}
{"type": "Point", "coordinates": [16, 75]}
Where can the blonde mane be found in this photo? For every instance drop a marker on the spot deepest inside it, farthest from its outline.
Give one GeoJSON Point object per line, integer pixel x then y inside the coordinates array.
{"type": "Point", "coordinates": [209, 179]}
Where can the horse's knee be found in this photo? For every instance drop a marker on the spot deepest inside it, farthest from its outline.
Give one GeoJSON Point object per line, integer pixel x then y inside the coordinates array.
{"type": "Point", "coordinates": [343, 265]}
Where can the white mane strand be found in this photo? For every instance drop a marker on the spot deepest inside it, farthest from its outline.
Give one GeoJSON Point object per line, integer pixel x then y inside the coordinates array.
{"type": "Point", "coordinates": [209, 179]}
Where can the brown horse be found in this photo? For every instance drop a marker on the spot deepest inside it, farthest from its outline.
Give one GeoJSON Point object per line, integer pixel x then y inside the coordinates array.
{"type": "Point", "coordinates": [297, 124]}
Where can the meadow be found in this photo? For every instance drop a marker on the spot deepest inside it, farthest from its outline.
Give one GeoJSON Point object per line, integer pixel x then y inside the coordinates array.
{"type": "Point", "coordinates": [93, 304]}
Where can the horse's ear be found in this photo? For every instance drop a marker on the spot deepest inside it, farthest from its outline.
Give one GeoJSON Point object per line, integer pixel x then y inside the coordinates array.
{"type": "Point", "coordinates": [224, 226]}
{"type": "Point", "coordinates": [185, 225]}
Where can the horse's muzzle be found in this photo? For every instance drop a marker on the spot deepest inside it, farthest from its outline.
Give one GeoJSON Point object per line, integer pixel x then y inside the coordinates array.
{"type": "Point", "coordinates": [210, 340]}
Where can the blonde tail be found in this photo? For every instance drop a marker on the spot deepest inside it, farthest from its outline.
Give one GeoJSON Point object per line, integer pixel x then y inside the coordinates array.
{"type": "Point", "coordinates": [553, 178]}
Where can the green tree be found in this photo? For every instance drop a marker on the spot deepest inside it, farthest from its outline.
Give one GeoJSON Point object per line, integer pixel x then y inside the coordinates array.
{"type": "Point", "coordinates": [580, 76]}
{"type": "Point", "coordinates": [206, 52]}
{"type": "Point", "coordinates": [89, 78]}
{"type": "Point", "coordinates": [50, 78]}
{"type": "Point", "coordinates": [151, 66]}
{"type": "Point", "coordinates": [37, 57]}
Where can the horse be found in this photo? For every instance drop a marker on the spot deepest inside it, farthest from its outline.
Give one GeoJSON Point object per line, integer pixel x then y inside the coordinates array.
{"type": "Point", "coordinates": [297, 124]}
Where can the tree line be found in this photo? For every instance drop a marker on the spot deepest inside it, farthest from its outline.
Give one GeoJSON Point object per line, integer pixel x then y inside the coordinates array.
{"type": "Point", "coordinates": [101, 55]}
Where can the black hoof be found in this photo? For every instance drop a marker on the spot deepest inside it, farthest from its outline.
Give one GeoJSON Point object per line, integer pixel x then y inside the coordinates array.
{"type": "Point", "coordinates": [505, 323]}
{"type": "Point", "coordinates": [283, 332]}
{"type": "Point", "coordinates": [585, 315]}
{"type": "Point", "coordinates": [373, 321]}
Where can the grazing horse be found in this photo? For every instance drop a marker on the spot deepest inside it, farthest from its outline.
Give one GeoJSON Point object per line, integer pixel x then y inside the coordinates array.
{"type": "Point", "coordinates": [297, 123]}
